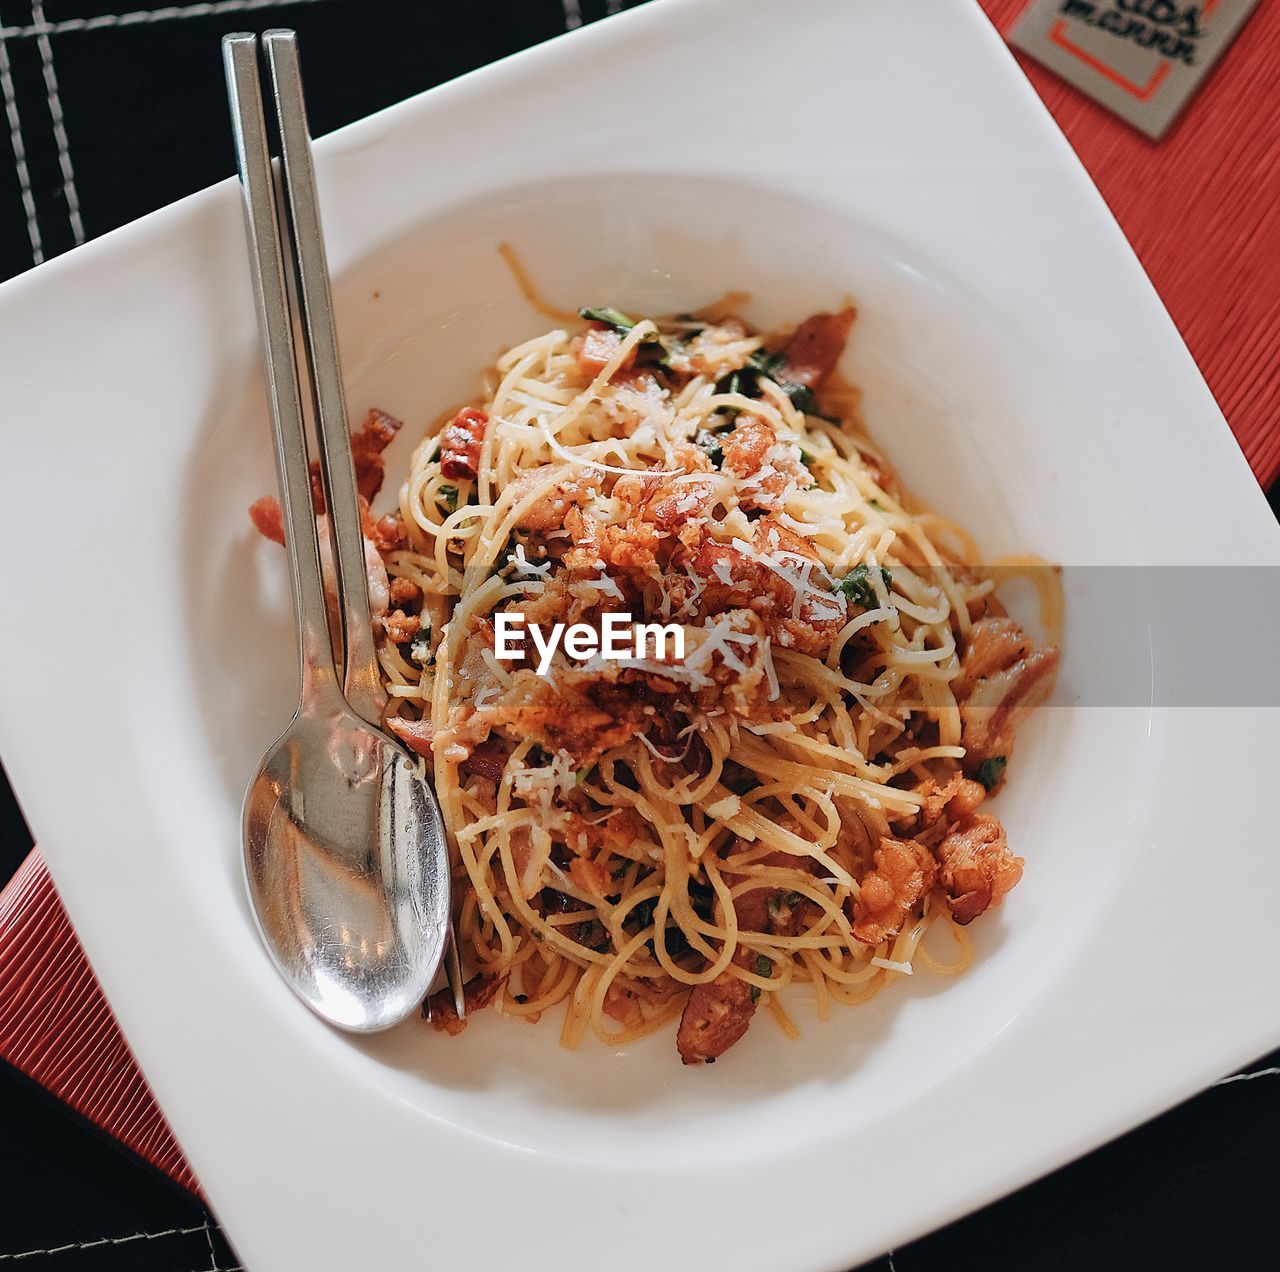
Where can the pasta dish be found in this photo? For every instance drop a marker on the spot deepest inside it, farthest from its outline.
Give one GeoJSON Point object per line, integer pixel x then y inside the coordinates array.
{"type": "Point", "coordinates": [799, 797]}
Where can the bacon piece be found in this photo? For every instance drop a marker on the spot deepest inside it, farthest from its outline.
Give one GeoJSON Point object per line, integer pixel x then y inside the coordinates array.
{"type": "Point", "coordinates": [415, 734]}
{"type": "Point", "coordinates": [715, 1016]}
{"type": "Point", "coordinates": [487, 760]}
{"type": "Point", "coordinates": [667, 501]}
{"type": "Point", "coordinates": [460, 444]}
{"type": "Point", "coordinates": [994, 645]}
{"type": "Point", "coordinates": [478, 992]}
{"type": "Point", "coordinates": [719, 1012]}
{"type": "Point", "coordinates": [267, 518]}
{"type": "Point", "coordinates": [729, 578]}
{"type": "Point", "coordinates": [904, 871]}
{"type": "Point", "coordinates": [814, 350]}
{"type": "Point", "coordinates": [977, 866]}
{"type": "Point", "coordinates": [958, 796]}
{"type": "Point", "coordinates": [387, 534]}
{"type": "Point", "coordinates": [819, 617]}
{"type": "Point", "coordinates": [367, 445]}
{"type": "Point", "coordinates": [589, 875]}
{"type": "Point", "coordinates": [550, 511]}
{"type": "Point", "coordinates": [403, 592]}
{"type": "Point", "coordinates": [1004, 676]}
{"type": "Point", "coordinates": [623, 1005]}
{"type": "Point", "coordinates": [401, 627]}
{"type": "Point", "coordinates": [746, 447]}
{"type": "Point", "coordinates": [534, 707]}
{"type": "Point", "coordinates": [630, 549]}
{"type": "Point", "coordinates": [617, 831]}
{"type": "Point", "coordinates": [596, 348]}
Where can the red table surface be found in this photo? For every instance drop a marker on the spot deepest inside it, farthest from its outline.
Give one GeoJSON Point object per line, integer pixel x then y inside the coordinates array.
{"type": "Point", "coordinates": [1201, 211]}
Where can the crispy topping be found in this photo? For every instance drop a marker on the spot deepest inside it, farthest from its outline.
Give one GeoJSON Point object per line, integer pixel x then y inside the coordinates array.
{"type": "Point", "coordinates": [904, 872]}
{"type": "Point", "coordinates": [460, 445]}
{"type": "Point", "coordinates": [977, 867]}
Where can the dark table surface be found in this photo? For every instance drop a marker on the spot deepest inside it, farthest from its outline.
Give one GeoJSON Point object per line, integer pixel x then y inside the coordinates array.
{"type": "Point", "coordinates": [109, 115]}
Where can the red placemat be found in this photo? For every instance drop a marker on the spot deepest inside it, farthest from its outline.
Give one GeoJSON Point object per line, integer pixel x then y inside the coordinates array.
{"type": "Point", "coordinates": [56, 1027]}
{"type": "Point", "coordinates": [1200, 211]}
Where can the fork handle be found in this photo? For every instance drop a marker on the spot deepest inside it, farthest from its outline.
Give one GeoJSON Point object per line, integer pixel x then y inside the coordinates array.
{"type": "Point", "coordinates": [253, 158]}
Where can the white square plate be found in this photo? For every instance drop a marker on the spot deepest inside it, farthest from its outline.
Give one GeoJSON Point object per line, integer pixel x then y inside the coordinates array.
{"type": "Point", "coordinates": [1018, 366]}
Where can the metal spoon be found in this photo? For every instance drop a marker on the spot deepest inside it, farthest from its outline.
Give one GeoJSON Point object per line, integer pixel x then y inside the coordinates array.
{"type": "Point", "coordinates": [344, 847]}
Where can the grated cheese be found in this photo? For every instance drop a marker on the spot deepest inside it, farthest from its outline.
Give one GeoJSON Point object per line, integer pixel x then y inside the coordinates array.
{"type": "Point", "coordinates": [723, 809]}
{"type": "Point", "coordinates": [890, 965]}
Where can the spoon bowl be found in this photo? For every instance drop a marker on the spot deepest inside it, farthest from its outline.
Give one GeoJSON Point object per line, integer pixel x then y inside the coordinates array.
{"type": "Point", "coordinates": [347, 870]}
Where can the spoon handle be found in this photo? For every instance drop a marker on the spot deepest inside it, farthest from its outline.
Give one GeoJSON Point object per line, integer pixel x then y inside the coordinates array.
{"type": "Point", "coordinates": [253, 158]}
{"type": "Point", "coordinates": [361, 685]}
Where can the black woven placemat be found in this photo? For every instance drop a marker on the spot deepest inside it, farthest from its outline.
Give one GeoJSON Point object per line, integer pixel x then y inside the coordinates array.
{"type": "Point", "coordinates": [108, 114]}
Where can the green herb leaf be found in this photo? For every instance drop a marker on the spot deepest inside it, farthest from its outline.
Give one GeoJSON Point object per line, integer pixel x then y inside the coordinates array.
{"type": "Point", "coordinates": [807, 459]}
{"type": "Point", "coordinates": [584, 773]}
{"type": "Point", "coordinates": [643, 913]}
{"type": "Point", "coordinates": [781, 902]}
{"type": "Point", "coordinates": [738, 778]}
{"type": "Point", "coordinates": [710, 443]}
{"type": "Point", "coordinates": [702, 897]}
{"type": "Point", "coordinates": [448, 495]}
{"type": "Point", "coordinates": [614, 318]}
{"type": "Point", "coordinates": [991, 770]}
{"type": "Point", "coordinates": [420, 646]}
{"type": "Point", "coordinates": [801, 396]}
{"type": "Point", "coordinates": [763, 967]}
{"type": "Point", "coordinates": [857, 586]}
{"type": "Point", "coordinates": [763, 362]}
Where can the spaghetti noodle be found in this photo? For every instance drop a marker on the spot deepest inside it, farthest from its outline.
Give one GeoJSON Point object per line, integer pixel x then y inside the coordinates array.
{"type": "Point", "coordinates": [797, 801]}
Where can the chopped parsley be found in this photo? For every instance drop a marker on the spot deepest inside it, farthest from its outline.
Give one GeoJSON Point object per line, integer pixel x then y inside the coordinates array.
{"type": "Point", "coordinates": [711, 444]}
{"type": "Point", "coordinates": [655, 349]}
{"type": "Point", "coordinates": [763, 967]}
{"type": "Point", "coordinates": [420, 646]}
{"type": "Point", "coordinates": [770, 364]}
{"type": "Point", "coordinates": [781, 902]}
{"type": "Point", "coordinates": [858, 587]}
{"type": "Point", "coordinates": [738, 778]}
{"type": "Point", "coordinates": [702, 897]}
{"type": "Point", "coordinates": [643, 913]}
{"type": "Point", "coordinates": [448, 495]}
{"type": "Point", "coordinates": [991, 770]}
